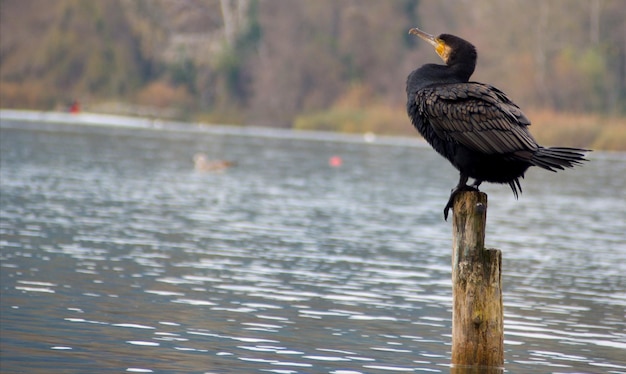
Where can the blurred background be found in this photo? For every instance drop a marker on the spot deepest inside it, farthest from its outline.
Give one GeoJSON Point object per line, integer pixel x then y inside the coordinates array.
{"type": "Point", "coordinates": [300, 251]}
{"type": "Point", "coordinates": [325, 64]}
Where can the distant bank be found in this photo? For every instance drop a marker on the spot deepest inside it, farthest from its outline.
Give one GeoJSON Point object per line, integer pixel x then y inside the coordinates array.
{"type": "Point", "coordinates": [587, 131]}
{"type": "Point", "coordinates": [10, 118]}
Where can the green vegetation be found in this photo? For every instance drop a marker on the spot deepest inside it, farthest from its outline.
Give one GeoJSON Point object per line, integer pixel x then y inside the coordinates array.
{"type": "Point", "coordinates": [358, 111]}
{"type": "Point", "coordinates": [378, 120]}
{"type": "Point", "coordinates": [548, 127]}
{"type": "Point", "coordinates": [579, 130]}
{"type": "Point", "coordinates": [331, 65]}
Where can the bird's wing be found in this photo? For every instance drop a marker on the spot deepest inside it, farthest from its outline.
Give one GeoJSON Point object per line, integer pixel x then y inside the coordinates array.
{"type": "Point", "coordinates": [477, 115]}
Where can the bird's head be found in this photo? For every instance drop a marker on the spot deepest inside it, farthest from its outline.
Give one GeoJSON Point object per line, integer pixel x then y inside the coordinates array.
{"type": "Point", "coordinates": [452, 49]}
{"type": "Point", "coordinates": [442, 49]}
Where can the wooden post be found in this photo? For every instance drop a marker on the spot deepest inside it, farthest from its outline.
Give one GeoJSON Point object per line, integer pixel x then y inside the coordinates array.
{"type": "Point", "coordinates": [477, 315]}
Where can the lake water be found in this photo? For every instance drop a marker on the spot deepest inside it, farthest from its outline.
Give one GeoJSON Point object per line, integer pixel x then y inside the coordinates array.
{"type": "Point", "coordinates": [118, 257]}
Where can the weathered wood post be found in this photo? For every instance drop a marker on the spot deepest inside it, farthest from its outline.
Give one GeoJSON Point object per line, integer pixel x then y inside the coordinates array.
{"type": "Point", "coordinates": [477, 314]}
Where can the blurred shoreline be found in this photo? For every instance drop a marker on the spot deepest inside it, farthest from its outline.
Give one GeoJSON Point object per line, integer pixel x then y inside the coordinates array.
{"type": "Point", "coordinates": [10, 118]}
{"type": "Point", "coordinates": [548, 127]}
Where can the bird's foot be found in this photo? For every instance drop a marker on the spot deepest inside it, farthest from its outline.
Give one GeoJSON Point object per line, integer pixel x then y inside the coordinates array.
{"type": "Point", "coordinates": [456, 191]}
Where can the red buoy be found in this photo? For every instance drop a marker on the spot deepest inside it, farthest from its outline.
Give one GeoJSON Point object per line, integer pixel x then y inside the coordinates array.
{"type": "Point", "coordinates": [335, 161]}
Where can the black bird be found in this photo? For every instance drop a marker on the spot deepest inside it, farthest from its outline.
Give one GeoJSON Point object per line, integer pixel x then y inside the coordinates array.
{"type": "Point", "coordinates": [474, 125]}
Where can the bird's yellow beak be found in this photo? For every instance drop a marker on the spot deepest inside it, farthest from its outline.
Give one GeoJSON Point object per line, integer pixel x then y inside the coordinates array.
{"type": "Point", "coordinates": [441, 48]}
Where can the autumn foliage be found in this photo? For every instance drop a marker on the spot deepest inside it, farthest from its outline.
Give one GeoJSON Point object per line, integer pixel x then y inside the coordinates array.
{"type": "Point", "coordinates": [324, 64]}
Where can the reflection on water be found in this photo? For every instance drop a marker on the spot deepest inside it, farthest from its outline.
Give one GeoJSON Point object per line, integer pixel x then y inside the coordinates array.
{"type": "Point", "coordinates": [117, 256]}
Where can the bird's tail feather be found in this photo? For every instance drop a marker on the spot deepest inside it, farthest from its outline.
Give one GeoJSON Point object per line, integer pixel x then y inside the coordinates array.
{"type": "Point", "coordinates": [516, 187]}
{"type": "Point", "coordinates": [558, 158]}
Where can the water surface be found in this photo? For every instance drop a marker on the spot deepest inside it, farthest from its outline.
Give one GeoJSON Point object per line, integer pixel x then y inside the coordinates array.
{"type": "Point", "coordinates": [118, 256]}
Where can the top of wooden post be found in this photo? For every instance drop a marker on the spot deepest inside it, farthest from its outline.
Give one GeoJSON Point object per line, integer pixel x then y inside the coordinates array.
{"type": "Point", "coordinates": [469, 224]}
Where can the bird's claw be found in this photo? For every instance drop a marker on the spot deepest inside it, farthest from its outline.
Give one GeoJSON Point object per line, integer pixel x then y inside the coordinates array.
{"type": "Point", "coordinates": [455, 191]}
{"type": "Point", "coordinates": [447, 209]}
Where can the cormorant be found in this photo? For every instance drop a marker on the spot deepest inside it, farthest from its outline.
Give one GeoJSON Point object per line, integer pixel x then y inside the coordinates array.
{"type": "Point", "coordinates": [474, 125]}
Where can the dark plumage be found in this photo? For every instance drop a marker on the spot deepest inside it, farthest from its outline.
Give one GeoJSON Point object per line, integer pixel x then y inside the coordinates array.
{"type": "Point", "coordinates": [474, 125]}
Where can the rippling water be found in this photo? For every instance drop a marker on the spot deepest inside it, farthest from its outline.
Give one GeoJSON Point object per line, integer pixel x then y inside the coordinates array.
{"type": "Point", "coordinates": [118, 256]}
